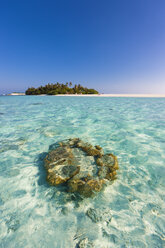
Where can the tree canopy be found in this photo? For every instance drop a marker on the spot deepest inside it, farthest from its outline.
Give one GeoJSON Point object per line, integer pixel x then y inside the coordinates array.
{"type": "Point", "coordinates": [57, 88]}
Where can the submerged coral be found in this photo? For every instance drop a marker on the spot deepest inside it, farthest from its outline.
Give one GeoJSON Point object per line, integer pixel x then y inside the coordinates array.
{"type": "Point", "coordinates": [84, 168]}
{"type": "Point", "coordinates": [98, 215]}
{"type": "Point", "coordinates": [85, 243]}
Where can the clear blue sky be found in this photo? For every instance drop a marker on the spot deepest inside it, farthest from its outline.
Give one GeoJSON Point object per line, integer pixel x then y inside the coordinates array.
{"type": "Point", "coordinates": [114, 46]}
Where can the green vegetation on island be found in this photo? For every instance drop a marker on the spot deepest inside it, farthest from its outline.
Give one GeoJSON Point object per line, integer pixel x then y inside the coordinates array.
{"type": "Point", "coordinates": [57, 88]}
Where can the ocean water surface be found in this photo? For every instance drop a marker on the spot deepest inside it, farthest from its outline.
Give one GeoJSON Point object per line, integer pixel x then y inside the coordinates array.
{"type": "Point", "coordinates": [34, 214]}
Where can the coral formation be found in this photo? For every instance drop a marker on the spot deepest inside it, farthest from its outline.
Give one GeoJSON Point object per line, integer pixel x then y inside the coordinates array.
{"type": "Point", "coordinates": [84, 168]}
{"type": "Point", "coordinates": [98, 215]}
{"type": "Point", "coordinates": [85, 243]}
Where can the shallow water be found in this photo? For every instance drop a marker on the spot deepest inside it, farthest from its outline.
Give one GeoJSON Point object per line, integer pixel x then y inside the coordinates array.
{"type": "Point", "coordinates": [34, 214]}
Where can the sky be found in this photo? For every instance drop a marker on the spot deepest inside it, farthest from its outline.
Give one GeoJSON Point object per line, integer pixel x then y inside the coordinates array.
{"type": "Point", "coordinates": [114, 46]}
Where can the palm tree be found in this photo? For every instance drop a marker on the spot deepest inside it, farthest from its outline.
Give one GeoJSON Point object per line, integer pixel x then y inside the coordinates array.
{"type": "Point", "coordinates": [57, 88]}
{"type": "Point", "coordinates": [79, 86]}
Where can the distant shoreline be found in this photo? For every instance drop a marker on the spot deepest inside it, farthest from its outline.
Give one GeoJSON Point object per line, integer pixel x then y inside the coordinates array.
{"type": "Point", "coordinates": [116, 95]}
{"type": "Point", "coordinates": [97, 95]}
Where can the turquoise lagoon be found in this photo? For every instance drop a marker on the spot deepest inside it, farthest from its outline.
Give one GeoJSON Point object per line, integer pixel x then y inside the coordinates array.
{"type": "Point", "coordinates": [34, 214]}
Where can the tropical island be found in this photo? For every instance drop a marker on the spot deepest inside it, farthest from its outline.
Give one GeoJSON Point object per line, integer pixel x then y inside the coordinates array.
{"type": "Point", "coordinates": [57, 88]}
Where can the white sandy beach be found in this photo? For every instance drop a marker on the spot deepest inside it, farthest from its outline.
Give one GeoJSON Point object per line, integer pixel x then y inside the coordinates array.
{"type": "Point", "coordinates": [117, 95]}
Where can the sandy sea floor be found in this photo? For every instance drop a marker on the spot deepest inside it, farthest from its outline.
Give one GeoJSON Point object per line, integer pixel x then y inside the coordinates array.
{"type": "Point", "coordinates": [131, 211]}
